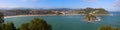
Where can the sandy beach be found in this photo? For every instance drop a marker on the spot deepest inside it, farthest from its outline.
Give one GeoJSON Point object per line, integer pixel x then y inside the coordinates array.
{"type": "Point", "coordinates": [37, 15]}
{"type": "Point", "coordinates": [27, 15]}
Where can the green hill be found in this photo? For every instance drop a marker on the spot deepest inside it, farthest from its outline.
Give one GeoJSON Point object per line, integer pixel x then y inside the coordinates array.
{"type": "Point", "coordinates": [94, 11]}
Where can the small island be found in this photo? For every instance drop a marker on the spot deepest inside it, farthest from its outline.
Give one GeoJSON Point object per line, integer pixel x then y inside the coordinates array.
{"type": "Point", "coordinates": [90, 18]}
{"type": "Point", "coordinates": [92, 13]}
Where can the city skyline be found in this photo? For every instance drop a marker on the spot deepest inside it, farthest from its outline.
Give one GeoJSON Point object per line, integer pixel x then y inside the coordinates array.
{"type": "Point", "coordinates": [110, 5]}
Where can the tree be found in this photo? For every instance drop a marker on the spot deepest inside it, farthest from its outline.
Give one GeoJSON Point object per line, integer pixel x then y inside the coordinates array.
{"type": "Point", "coordinates": [1, 17]}
{"type": "Point", "coordinates": [108, 28]}
{"type": "Point", "coordinates": [8, 26]}
{"type": "Point", "coordinates": [36, 24]}
{"type": "Point", "coordinates": [1, 20]}
{"type": "Point", "coordinates": [24, 27]}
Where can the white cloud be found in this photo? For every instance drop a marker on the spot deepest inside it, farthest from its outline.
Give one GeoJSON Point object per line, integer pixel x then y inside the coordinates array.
{"type": "Point", "coordinates": [116, 3]}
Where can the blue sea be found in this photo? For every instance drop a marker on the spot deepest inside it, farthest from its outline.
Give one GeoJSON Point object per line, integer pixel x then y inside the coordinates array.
{"type": "Point", "coordinates": [70, 22]}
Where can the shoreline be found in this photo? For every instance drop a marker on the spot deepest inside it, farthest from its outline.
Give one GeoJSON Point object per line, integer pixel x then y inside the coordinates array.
{"type": "Point", "coordinates": [39, 15]}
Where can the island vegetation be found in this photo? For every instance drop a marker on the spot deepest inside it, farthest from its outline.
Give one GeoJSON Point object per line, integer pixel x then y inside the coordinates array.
{"type": "Point", "coordinates": [90, 17]}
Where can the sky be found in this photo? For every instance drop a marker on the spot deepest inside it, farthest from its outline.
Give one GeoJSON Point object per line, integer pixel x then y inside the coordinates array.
{"type": "Point", "coordinates": [110, 5]}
